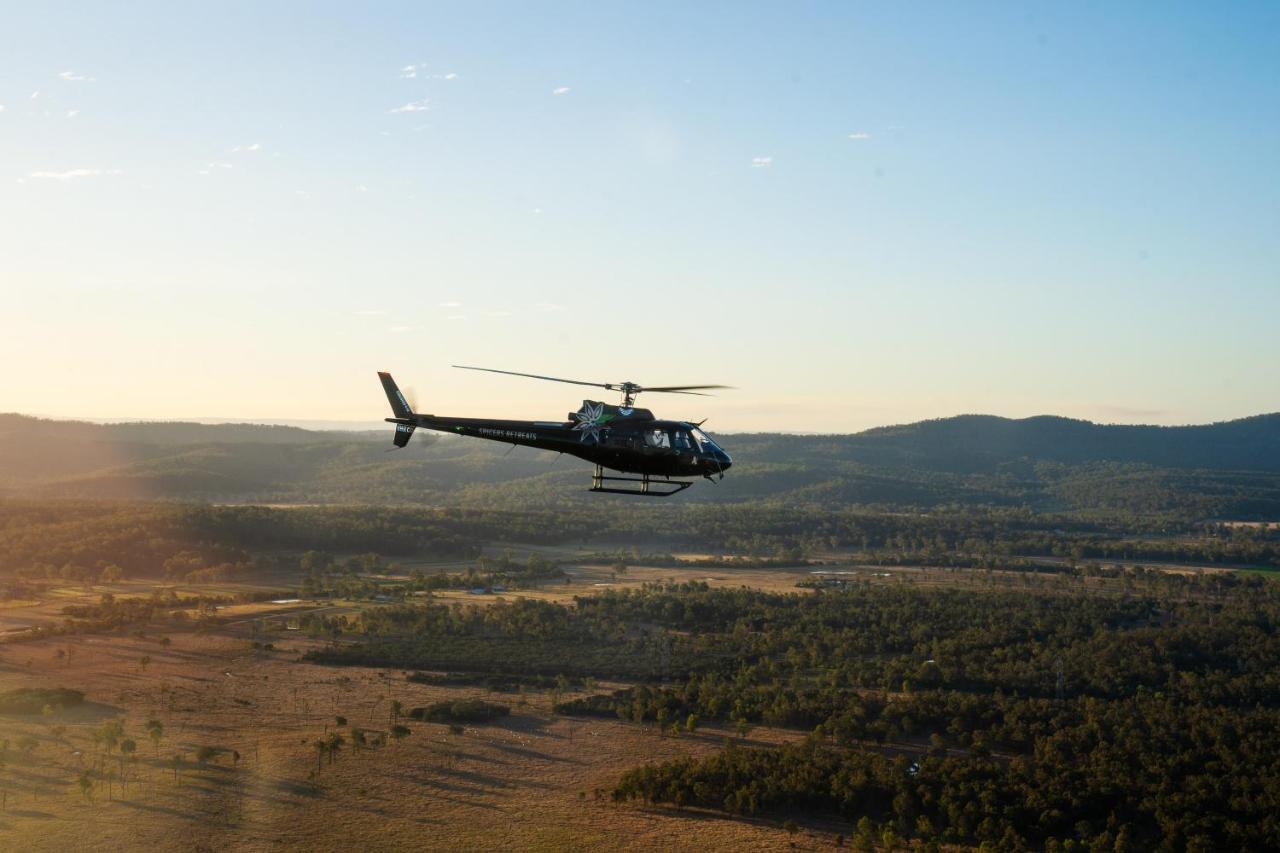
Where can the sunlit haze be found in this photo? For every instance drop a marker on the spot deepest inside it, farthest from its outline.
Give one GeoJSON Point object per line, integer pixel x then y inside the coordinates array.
{"type": "Point", "coordinates": [855, 216]}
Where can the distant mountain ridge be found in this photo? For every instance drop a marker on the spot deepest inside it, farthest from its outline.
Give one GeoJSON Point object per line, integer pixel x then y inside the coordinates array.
{"type": "Point", "coordinates": [1229, 468]}
{"type": "Point", "coordinates": [1251, 443]}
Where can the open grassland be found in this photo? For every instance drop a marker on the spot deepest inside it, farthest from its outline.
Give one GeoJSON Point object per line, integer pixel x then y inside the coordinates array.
{"type": "Point", "coordinates": [530, 781]}
{"type": "Point", "coordinates": [235, 766]}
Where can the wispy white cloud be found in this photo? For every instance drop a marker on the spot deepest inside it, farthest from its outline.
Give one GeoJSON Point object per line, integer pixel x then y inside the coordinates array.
{"type": "Point", "coordinates": [450, 304]}
{"type": "Point", "coordinates": [761, 162]}
{"type": "Point", "coordinates": [399, 329]}
{"type": "Point", "coordinates": [456, 317]}
{"type": "Point", "coordinates": [73, 76]}
{"type": "Point", "coordinates": [72, 113]}
{"type": "Point", "coordinates": [548, 307]}
{"type": "Point", "coordinates": [1, 108]}
{"type": "Point", "coordinates": [411, 72]}
{"type": "Point", "coordinates": [361, 188]}
{"type": "Point", "coordinates": [35, 94]}
{"type": "Point", "coordinates": [209, 167]}
{"type": "Point", "coordinates": [413, 107]}
{"type": "Point", "coordinates": [859, 135]}
{"type": "Point", "coordinates": [75, 173]}
{"type": "Point", "coordinates": [561, 90]}
{"type": "Point", "coordinates": [372, 312]}
{"type": "Point", "coordinates": [254, 146]}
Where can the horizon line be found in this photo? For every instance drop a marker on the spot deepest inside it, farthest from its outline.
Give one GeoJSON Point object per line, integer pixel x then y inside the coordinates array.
{"type": "Point", "coordinates": [358, 426]}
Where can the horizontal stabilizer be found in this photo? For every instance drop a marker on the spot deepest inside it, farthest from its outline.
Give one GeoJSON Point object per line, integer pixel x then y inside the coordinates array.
{"type": "Point", "coordinates": [404, 432]}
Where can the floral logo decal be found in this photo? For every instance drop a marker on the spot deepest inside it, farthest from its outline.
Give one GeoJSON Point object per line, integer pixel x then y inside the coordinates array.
{"type": "Point", "coordinates": [591, 417]}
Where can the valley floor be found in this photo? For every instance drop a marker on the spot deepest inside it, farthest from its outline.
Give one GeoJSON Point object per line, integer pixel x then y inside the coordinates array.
{"type": "Point", "coordinates": [532, 781]}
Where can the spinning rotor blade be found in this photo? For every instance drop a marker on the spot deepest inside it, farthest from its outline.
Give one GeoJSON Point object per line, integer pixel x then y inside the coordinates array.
{"type": "Point", "coordinates": [685, 389]}
{"type": "Point", "coordinates": [629, 389]}
{"type": "Point", "coordinates": [604, 385]}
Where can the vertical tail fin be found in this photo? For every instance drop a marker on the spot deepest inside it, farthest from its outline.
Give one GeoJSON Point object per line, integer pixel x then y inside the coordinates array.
{"type": "Point", "coordinates": [400, 408]}
{"type": "Point", "coordinates": [399, 405]}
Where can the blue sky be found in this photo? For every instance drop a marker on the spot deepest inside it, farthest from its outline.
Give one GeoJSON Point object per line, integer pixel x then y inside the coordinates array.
{"type": "Point", "coordinates": [857, 214]}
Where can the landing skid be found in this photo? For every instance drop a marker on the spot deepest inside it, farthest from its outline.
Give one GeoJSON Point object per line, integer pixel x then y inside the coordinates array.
{"type": "Point", "coordinates": [648, 488]}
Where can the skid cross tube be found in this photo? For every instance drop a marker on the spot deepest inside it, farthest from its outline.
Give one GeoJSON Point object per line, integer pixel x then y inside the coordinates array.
{"type": "Point", "coordinates": [648, 488]}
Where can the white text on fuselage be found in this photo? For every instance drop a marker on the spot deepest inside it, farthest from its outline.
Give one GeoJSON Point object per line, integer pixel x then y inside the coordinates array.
{"type": "Point", "coordinates": [489, 432]}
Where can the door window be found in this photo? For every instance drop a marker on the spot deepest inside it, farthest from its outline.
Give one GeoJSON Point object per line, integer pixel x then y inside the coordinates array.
{"type": "Point", "coordinates": [657, 438]}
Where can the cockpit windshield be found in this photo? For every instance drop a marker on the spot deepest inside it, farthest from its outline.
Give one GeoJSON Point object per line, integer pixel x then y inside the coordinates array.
{"type": "Point", "coordinates": [704, 441]}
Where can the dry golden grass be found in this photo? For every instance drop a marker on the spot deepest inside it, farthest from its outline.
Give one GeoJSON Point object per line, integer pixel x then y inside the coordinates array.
{"type": "Point", "coordinates": [527, 783]}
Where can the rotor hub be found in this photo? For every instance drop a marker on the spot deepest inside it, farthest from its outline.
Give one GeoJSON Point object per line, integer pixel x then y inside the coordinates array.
{"type": "Point", "coordinates": [629, 391]}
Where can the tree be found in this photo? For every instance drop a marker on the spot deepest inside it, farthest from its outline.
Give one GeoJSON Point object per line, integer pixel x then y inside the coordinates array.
{"type": "Point", "coordinates": [107, 736]}
{"type": "Point", "coordinates": [111, 574]}
{"type": "Point", "coordinates": [334, 744]}
{"type": "Point", "coordinates": [128, 747]}
{"type": "Point", "coordinates": [322, 746]}
{"type": "Point", "coordinates": [866, 833]}
{"type": "Point", "coordinates": [395, 711]}
{"type": "Point", "coordinates": [155, 731]}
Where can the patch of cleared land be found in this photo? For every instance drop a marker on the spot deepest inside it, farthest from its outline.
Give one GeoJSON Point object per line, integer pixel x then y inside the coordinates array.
{"type": "Point", "coordinates": [533, 780]}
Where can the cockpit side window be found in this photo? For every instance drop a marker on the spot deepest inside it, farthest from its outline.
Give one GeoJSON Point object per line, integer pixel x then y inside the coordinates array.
{"type": "Point", "coordinates": [683, 441]}
{"type": "Point", "coordinates": [657, 438]}
{"type": "Point", "coordinates": [704, 441]}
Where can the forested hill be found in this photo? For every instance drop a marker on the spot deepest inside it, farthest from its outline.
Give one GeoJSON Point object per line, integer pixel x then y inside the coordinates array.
{"type": "Point", "coordinates": [1229, 469]}
{"type": "Point", "coordinates": [976, 442]}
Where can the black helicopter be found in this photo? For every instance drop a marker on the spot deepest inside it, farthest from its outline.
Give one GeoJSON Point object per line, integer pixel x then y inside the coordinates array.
{"type": "Point", "coordinates": [622, 438]}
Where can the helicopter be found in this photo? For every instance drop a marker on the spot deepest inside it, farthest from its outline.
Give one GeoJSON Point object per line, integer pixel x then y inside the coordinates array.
{"type": "Point", "coordinates": [619, 438]}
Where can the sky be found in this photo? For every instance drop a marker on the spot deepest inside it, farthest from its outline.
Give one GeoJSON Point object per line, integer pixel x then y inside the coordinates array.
{"type": "Point", "coordinates": [854, 213]}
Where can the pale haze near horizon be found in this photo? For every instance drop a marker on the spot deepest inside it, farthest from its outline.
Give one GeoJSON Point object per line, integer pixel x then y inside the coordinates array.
{"type": "Point", "coordinates": [855, 214]}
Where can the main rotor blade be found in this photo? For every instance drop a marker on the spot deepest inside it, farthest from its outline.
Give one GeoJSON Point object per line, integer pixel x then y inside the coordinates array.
{"type": "Point", "coordinates": [685, 389]}
{"type": "Point", "coordinates": [604, 385]}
